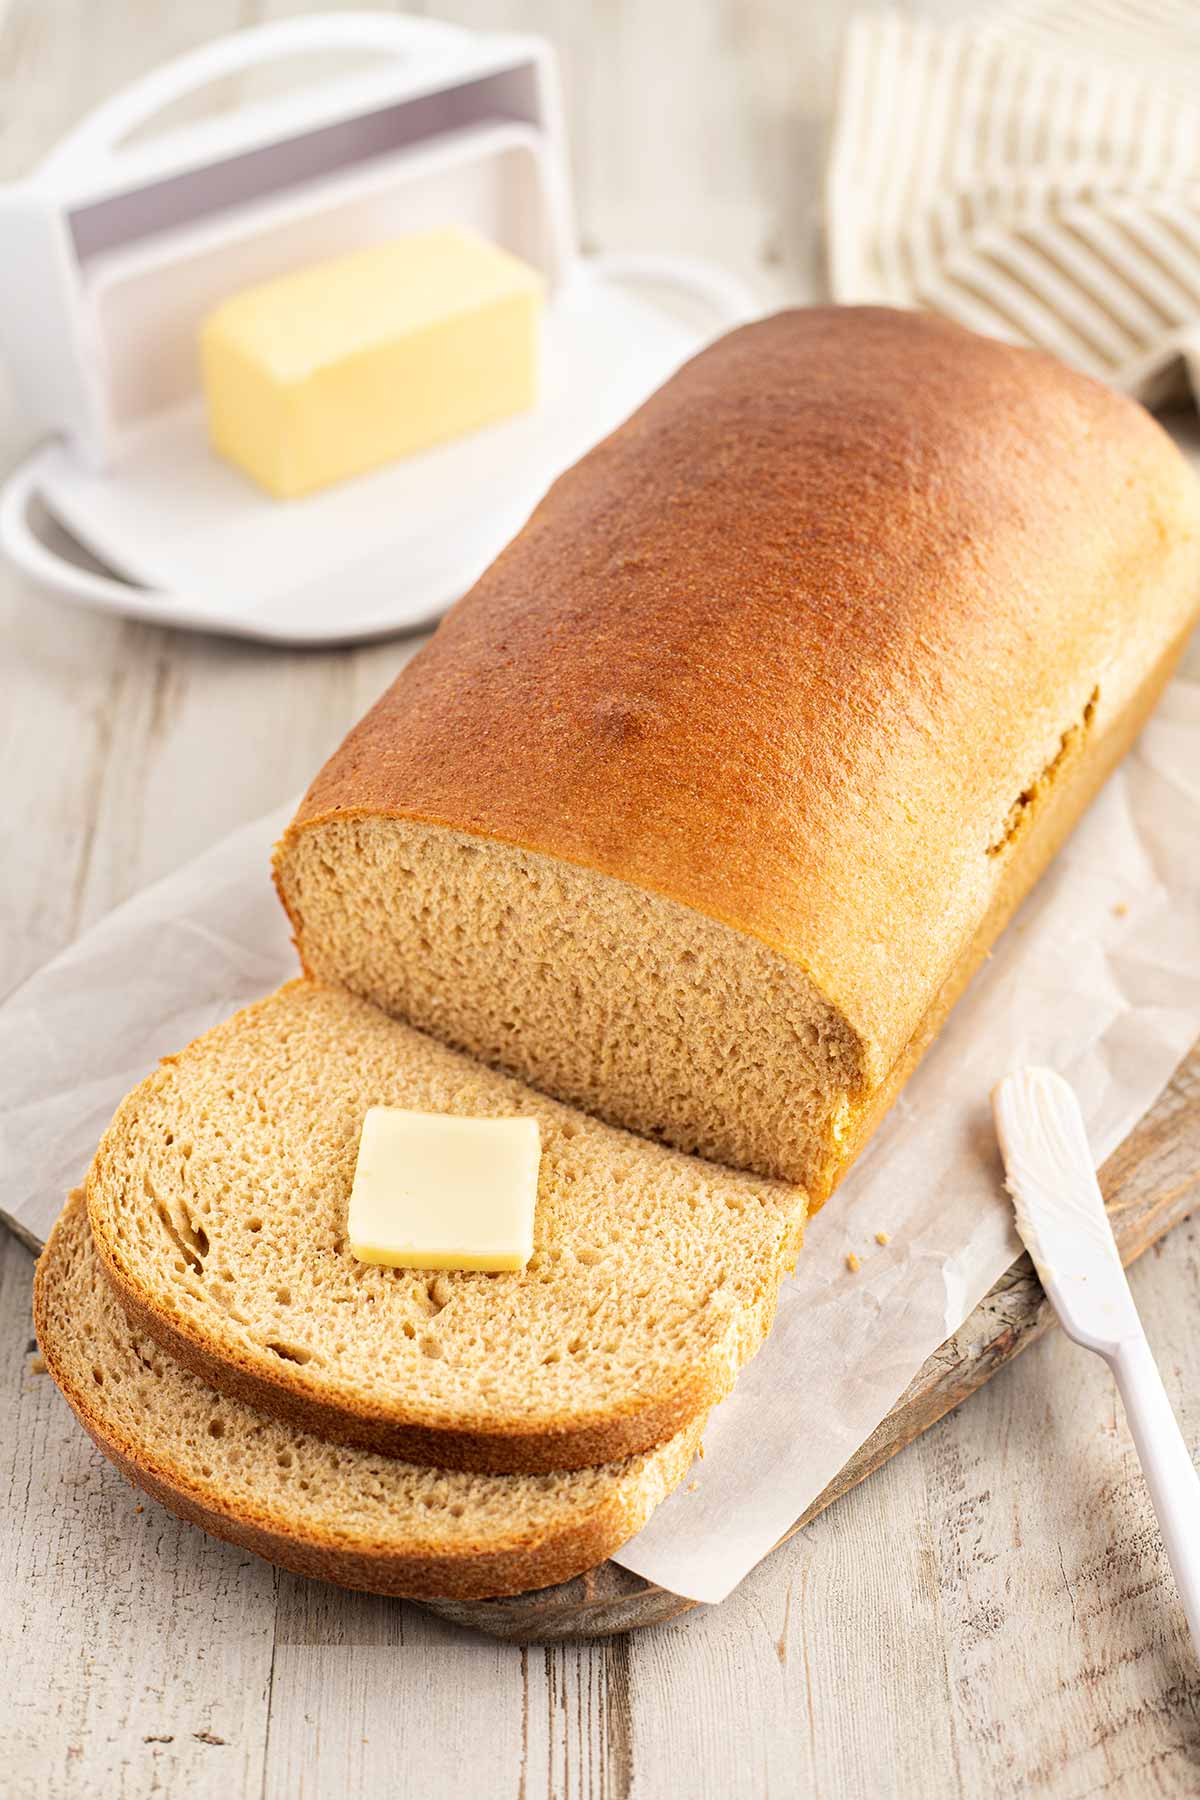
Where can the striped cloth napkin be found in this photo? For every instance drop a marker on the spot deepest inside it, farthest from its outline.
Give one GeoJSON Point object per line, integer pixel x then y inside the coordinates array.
{"type": "Point", "coordinates": [1033, 171]}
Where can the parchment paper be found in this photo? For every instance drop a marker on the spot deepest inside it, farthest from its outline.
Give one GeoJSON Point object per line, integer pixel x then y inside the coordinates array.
{"type": "Point", "coordinates": [1099, 976]}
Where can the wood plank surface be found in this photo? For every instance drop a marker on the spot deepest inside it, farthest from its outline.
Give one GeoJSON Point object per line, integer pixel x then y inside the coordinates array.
{"type": "Point", "coordinates": [990, 1614]}
{"type": "Point", "coordinates": [1150, 1183]}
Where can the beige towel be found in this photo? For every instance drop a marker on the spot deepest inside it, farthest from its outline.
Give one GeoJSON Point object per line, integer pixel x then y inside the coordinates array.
{"type": "Point", "coordinates": [1032, 170]}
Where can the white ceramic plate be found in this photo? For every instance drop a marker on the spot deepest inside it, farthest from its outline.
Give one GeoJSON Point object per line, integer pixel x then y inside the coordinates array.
{"type": "Point", "coordinates": [187, 541]}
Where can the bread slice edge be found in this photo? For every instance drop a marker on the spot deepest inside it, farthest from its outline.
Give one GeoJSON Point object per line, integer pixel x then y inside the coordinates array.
{"type": "Point", "coordinates": [400, 1570]}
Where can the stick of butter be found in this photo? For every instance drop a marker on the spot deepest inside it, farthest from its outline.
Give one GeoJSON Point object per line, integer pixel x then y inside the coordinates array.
{"type": "Point", "coordinates": [347, 364]}
{"type": "Point", "coordinates": [433, 1191]}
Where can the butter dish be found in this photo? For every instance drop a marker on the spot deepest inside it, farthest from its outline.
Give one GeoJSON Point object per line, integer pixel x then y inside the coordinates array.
{"type": "Point", "coordinates": [126, 241]}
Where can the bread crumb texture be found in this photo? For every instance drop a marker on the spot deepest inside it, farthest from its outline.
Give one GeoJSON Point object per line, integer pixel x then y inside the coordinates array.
{"type": "Point", "coordinates": [219, 1197]}
{"type": "Point", "coordinates": [637, 1010]}
{"type": "Point", "coordinates": [323, 1509]}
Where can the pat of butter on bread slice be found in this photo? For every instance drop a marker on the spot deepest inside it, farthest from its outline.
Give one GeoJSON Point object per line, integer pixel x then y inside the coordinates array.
{"type": "Point", "coordinates": [433, 1191]}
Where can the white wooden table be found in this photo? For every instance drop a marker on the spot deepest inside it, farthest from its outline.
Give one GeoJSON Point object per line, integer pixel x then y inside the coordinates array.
{"type": "Point", "coordinates": [991, 1614]}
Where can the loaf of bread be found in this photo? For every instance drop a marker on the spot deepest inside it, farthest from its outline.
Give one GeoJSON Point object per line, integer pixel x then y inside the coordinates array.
{"type": "Point", "coordinates": [701, 809]}
{"type": "Point", "coordinates": [363, 1520]}
{"type": "Point", "coordinates": [218, 1204]}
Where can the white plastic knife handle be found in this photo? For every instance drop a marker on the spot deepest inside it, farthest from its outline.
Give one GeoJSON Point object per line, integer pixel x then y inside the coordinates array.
{"type": "Point", "coordinates": [1061, 1217]}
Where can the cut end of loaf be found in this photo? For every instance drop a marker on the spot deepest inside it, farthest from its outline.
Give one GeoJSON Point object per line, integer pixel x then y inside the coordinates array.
{"type": "Point", "coordinates": [636, 1009]}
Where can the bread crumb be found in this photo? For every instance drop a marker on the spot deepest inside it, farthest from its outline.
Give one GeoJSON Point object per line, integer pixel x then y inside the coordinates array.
{"type": "Point", "coordinates": [852, 1263]}
{"type": "Point", "coordinates": [883, 1237]}
{"type": "Point", "coordinates": [700, 1451]}
{"type": "Point", "coordinates": [139, 1509]}
{"type": "Point", "coordinates": [693, 1487]}
{"type": "Point", "coordinates": [1121, 909]}
{"type": "Point", "coordinates": [37, 1365]}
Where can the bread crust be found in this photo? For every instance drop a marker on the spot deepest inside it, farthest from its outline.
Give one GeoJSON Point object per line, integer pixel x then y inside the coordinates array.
{"type": "Point", "coordinates": [1048, 830]}
{"type": "Point", "coordinates": [469, 1572]}
{"type": "Point", "coordinates": [405, 1432]}
{"type": "Point", "coordinates": [789, 647]}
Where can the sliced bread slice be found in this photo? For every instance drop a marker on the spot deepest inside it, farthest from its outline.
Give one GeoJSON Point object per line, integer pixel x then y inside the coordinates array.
{"type": "Point", "coordinates": [218, 1200]}
{"type": "Point", "coordinates": [325, 1510]}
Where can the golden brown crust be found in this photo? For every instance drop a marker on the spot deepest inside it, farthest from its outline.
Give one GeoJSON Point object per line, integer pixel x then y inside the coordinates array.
{"type": "Point", "coordinates": [488, 1448]}
{"type": "Point", "coordinates": [411, 1574]}
{"type": "Point", "coordinates": [466, 1572]}
{"type": "Point", "coordinates": [789, 645]}
{"type": "Point", "coordinates": [485, 1575]}
{"type": "Point", "coordinates": [1053, 822]}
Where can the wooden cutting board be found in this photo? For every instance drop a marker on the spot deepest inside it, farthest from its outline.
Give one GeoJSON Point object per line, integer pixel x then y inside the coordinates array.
{"type": "Point", "coordinates": [1150, 1183]}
